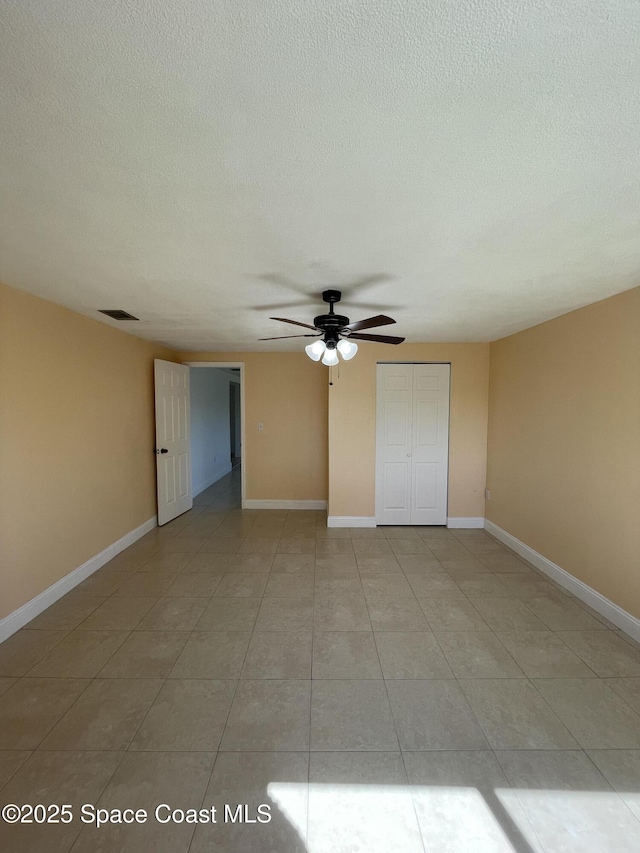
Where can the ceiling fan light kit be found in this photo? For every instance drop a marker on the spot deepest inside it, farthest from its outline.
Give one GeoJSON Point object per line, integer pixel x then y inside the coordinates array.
{"type": "Point", "coordinates": [337, 332]}
{"type": "Point", "coordinates": [347, 349]}
{"type": "Point", "coordinates": [330, 357]}
{"type": "Point", "coordinates": [315, 350]}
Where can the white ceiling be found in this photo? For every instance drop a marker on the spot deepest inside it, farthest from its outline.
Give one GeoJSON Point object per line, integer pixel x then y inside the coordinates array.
{"type": "Point", "coordinates": [471, 168]}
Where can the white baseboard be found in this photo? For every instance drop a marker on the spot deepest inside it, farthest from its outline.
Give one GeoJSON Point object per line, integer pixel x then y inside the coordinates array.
{"type": "Point", "coordinates": [20, 617]}
{"type": "Point", "coordinates": [469, 522]}
{"type": "Point", "coordinates": [220, 473]}
{"type": "Point", "coordinates": [351, 521]}
{"type": "Point", "coordinates": [268, 504]}
{"type": "Point", "coordinates": [370, 521]}
{"type": "Point", "coordinates": [602, 605]}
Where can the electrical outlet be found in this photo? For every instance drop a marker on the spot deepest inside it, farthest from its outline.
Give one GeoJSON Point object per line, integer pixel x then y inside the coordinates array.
{"type": "Point", "coordinates": [487, 494]}
{"type": "Point", "coordinates": [260, 427]}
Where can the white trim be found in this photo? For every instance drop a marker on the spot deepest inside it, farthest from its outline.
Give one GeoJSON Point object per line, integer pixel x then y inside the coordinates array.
{"type": "Point", "coordinates": [221, 472]}
{"type": "Point", "coordinates": [268, 504]}
{"type": "Point", "coordinates": [214, 363]}
{"type": "Point", "coordinates": [351, 521]}
{"type": "Point", "coordinates": [470, 522]}
{"type": "Point", "coordinates": [20, 617]}
{"type": "Point", "coordinates": [240, 364]}
{"type": "Point", "coordinates": [602, 605]}
{"type": "Point", "coordinates": [233, 376]}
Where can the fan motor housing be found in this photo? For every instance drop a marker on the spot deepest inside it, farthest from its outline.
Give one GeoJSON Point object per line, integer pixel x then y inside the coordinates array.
{"type": "Point", "coordinates": [330, 321]}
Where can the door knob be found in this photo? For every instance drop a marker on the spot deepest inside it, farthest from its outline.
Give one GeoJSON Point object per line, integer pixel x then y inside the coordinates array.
{"type": "Point", "coordinates": [162, 450]}
{"type": "Point", "coordinates": [408, 454]}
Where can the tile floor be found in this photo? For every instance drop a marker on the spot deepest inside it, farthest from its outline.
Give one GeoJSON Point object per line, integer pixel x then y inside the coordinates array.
{"type": "Point", "coordinates": [381, 690]}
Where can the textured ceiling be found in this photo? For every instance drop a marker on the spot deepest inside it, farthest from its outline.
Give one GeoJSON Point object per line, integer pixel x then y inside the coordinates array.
{"type": "Point", "coordinates": [470, 167]}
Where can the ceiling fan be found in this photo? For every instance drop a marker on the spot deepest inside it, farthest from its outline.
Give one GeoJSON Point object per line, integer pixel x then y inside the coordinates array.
{"type": "Point", "coordinates": [337, 332]}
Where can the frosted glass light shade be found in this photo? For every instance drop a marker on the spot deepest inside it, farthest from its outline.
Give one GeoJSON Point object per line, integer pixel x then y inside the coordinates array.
{"type": "Point", "coordinates": [315, 350]}
{"type": "Point", "coordinates": [330, 357]}
{"type": "Point", "coordinates": [347, 349]}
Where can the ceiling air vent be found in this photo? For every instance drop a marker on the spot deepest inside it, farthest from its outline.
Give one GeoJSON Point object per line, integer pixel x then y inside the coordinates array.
{"type": "Point", "coordinates": [117, 314]}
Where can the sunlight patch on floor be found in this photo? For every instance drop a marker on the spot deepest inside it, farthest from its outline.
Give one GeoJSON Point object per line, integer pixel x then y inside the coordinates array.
{"type": "Point", "coordinates": [450, 819]}
{"type": "Point", "coordinates": [571, 820]}
{"type": "Point", "coordinates": [391, 817]}
{"type": "Point", "coordinates": [290, 798]}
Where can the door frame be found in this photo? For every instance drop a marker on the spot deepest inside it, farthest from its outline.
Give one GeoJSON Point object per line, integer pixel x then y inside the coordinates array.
{"type": "Point", "coordinates": [404, 361]}
{"type": "Point", "coordinates": [241, 365]}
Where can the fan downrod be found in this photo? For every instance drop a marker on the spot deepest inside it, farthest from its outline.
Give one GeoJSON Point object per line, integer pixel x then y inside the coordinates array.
{"type": "Point", "coordinates": [330, 321]}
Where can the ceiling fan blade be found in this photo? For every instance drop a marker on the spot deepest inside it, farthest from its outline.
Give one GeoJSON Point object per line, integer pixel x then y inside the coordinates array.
{"type": "Point", "coordinates": [380, 339]}
{"type": "Point", "coordinates": [370, 323]}
{"type": "Point", "coordinates": [282, 337]}
{"type": "Point", "coordinates": [294, 322]}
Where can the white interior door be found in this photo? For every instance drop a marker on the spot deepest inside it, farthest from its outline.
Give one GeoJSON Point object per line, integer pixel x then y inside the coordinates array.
{"type": "Point", "coordinates": [173, 468]}
{"type": "Point", "coordinates": [412, 443]}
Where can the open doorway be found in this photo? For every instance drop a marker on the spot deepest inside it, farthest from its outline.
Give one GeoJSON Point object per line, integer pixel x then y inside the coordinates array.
{"type": "Point", "coordinates": [235, 437]}
{"type": "Point", "coordinates": [217, 424]}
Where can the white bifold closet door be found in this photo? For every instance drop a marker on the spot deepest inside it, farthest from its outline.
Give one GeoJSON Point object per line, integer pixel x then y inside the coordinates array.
{"type": "Point", "coordinates": [412, 443]}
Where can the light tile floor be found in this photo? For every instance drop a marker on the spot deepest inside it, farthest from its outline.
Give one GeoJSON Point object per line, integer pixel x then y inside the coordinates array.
{"type": "Point", "coordinates": [391, 689]}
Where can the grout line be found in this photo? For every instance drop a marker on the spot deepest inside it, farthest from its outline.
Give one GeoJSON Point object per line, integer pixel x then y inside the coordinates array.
{"type": "Point", "coordinates": [18, 768]}
{"type": "Point", "coordinates": [313, 616]}
{"type": "Point", "coordinates": [522, 807]}
{"type": "Point", "coordinates": [413, 802]}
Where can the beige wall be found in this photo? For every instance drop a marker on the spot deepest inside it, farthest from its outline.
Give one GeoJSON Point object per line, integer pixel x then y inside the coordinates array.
{"type": "Point", "coordinates": [352, 426]}
{"type": "Point", "coordinates": [77, 469]}
{"type": "Point", "coordinates": [287, 392]}
{"type": "Point", "coordinates": [564, 443]}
